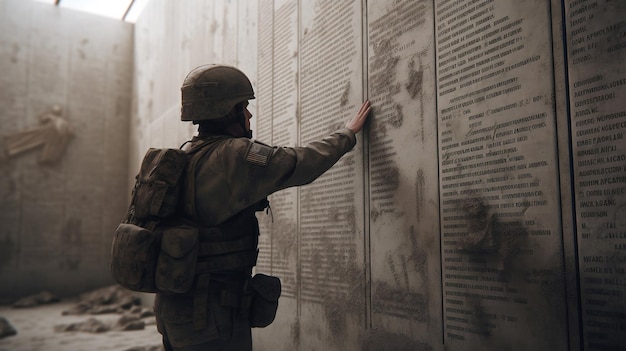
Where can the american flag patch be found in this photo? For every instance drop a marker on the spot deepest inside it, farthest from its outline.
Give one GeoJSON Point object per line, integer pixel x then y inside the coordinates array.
{"type": "Point", "coordinates": [259, 154]}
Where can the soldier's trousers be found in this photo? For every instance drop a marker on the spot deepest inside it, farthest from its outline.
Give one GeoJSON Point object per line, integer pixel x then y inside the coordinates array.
{"type": "Point", "coordinates": [222, 324]}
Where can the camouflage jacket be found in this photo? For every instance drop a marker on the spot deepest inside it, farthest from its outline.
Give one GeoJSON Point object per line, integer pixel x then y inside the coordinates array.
{"type": "Point", "coordinates": [235, 173]}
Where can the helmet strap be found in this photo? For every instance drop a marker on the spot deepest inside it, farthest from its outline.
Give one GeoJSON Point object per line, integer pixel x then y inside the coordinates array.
{"type": "Point", "coordinates": [234, 124]}
{"type": "Point", "coordinates": [242, 123]}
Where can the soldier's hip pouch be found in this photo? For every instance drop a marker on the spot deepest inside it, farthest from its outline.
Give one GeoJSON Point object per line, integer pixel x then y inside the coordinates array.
{"type": "Point", "coordinates": [176, 265]}
{"type": "Point", "coordinates": [265, 291]}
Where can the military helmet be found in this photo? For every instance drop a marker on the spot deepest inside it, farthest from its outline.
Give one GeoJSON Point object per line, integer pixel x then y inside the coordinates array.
{"type": "Point", "coordinates": [209, 92]}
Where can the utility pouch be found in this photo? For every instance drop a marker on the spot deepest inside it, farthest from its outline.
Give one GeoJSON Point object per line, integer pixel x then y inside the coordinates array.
{"type": "Point", "coordinates": [157, 189]}
{"type": "Point", "coordinates": [176, 265]}
{"type": "Point", "coordinates": [265, 293]}
{"type": "Point", "coordinates": [134, 255]}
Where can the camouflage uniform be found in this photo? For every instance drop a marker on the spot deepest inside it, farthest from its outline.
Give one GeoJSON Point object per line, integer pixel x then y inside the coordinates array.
{"type": "Point", "coordinates": [232, 177]}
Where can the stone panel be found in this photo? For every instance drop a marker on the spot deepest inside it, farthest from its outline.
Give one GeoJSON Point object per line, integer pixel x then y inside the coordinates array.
{"type": "Point", "coordinates": [332, 296]}
{"type": "Point", "coordinates": [403, 226]}
{"type": "Point", "coordinates": [502, 245]}
{"type": "Point", "coordinates": [285, 133]}
{"type": "Point", "coordinates": [597, 84]}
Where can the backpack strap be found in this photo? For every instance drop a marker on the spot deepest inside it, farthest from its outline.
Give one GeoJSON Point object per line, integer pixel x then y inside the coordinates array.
{"type": "Point", "coordinates": [195, 153]}
{"type": "Point", "coordinates": [201, 293]}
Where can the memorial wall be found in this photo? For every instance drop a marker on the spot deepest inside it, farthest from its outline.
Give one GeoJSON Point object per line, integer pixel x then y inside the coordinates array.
{"type": "Point", "coordinates": [482, 206]}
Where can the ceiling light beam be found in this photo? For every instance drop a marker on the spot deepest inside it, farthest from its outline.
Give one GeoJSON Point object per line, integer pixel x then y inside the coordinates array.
{"type": "Point", "coordinates": [127, 9]}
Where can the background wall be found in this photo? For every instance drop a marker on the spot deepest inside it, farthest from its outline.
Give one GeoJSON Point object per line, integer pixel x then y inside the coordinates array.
{"type": "Point", "coordinates": [57, 218]}
{"type": "Point", "coordinates": [170, 40]}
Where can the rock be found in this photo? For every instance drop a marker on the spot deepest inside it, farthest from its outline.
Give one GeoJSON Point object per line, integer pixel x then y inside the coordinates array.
{"type": "Point", "coordinates": [130, 322]}
{"type": "Point", "coordinates": [92, 325]}
{"type": "Point", "coordinates": [6, 329]}
{"type": "Point", "coordinates": [128, 301]}
{"type": "Point", "coordinates": [146, 313]}
{"type": "Point", "coordinates": [103, 309]}
{"type": "Point", "coordinates": [78, 309]}
{"type": "Point", "coordinates": [135, 325]}
{"type": "Point", "coordinates": [142, 312]}
{"type": "Point", "coordinates": [111, 299]}
{"type": "Point", "coordinates": [41, 298]}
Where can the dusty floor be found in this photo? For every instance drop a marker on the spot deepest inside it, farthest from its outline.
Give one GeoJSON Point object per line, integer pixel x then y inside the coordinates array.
{"type": "Point", "coordinates": [35, 331]}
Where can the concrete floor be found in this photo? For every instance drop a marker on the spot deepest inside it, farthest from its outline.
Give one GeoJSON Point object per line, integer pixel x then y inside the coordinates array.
{"type": "Point", "coordinates": [35, 331]}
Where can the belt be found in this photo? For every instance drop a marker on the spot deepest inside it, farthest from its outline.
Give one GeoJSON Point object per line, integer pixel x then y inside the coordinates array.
{"type": "Point", "coordinates": [230, 293]}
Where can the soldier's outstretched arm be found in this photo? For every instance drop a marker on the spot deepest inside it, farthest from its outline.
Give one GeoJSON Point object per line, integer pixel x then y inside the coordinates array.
{"type": "Point", "coordinates": [301, 165]}
{"type": "Point", "coordinates": [257, 170]}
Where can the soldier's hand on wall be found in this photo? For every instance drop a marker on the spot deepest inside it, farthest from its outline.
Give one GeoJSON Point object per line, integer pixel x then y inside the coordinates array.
{"type": "Point", "coordinates": [357, 122]}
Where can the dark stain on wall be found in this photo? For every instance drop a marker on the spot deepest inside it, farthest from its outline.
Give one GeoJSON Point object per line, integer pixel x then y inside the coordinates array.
{"type": "Point", "coordinates": [338, 302]}
{"type": "Point", "coordinates": [414, 87]}
{"type": "Point", "coordinates": [418, 255]}
{"type": "Point", "coordinates": [400, 298]}
{"type": "Point", "coordinates": [343, 100]}
{"type": "Point", "coordinates": [391, 175]}
{"type": "Point", "coordinates": [480, 319]}
{"type": "Point", "coordinates": [374, 213]}
{"type": "Point", "coordinates": [284, 238]}
{"type": "Point", "coordinates": [399, 301]}
{"type": "Point", "coordinates": [340, 216]}
{"type": "Point", "coordinates": [414, 83]}
{"type": "Point", "coordinates": [420, 184]}
{"type": "Point", "coordinates": [379, 128]}
{"type": "Point", "coordinates": [295, 334]}
{"type": "Point", "coordinates": [489, 237]}
{"type": "Point", "coordinates": [389, 180]}
{"type": "Point", "coordinates": [336, 318]}
{"type": "Point", "coordinates": [382, 82]}
{"type": "Point", "coordinates": [397, 118]}
{"type": "Point", "coordinates": [499, 244]}
{"type": "Point", "coordinates": [337, 307]}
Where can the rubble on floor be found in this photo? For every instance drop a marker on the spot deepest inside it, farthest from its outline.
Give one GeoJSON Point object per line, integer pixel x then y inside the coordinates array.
{"type": "Point", "coordinates": [6, 329]}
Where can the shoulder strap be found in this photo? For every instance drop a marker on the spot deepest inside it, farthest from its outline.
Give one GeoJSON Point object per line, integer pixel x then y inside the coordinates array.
{"type": "Point", "coordinates": [195, 153]}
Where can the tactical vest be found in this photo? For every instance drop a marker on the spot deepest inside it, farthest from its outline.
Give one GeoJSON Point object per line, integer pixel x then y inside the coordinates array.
{"type": "Point", "coordinates": [160, 247]}
{"type": "Point", "coordinates": [230, 246]}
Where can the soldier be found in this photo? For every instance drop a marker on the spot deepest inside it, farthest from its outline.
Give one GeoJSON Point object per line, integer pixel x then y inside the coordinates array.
{"type": "Point", "coordinates": [232, 176]}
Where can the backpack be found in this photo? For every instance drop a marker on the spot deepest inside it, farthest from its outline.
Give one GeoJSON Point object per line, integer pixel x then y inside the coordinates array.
{"type": "Point", "coordinates": [159, 247]}
{"type": "Point", "coordinates": [156, 250]}
{"type": "Point", "coordinates": [137, 261]}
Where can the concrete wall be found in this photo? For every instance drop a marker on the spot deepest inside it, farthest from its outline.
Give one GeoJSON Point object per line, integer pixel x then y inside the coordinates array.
{"type": "Point", "coordinates": [171, 39]}
{"type": "Point", "coordinates": [57, 218]}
